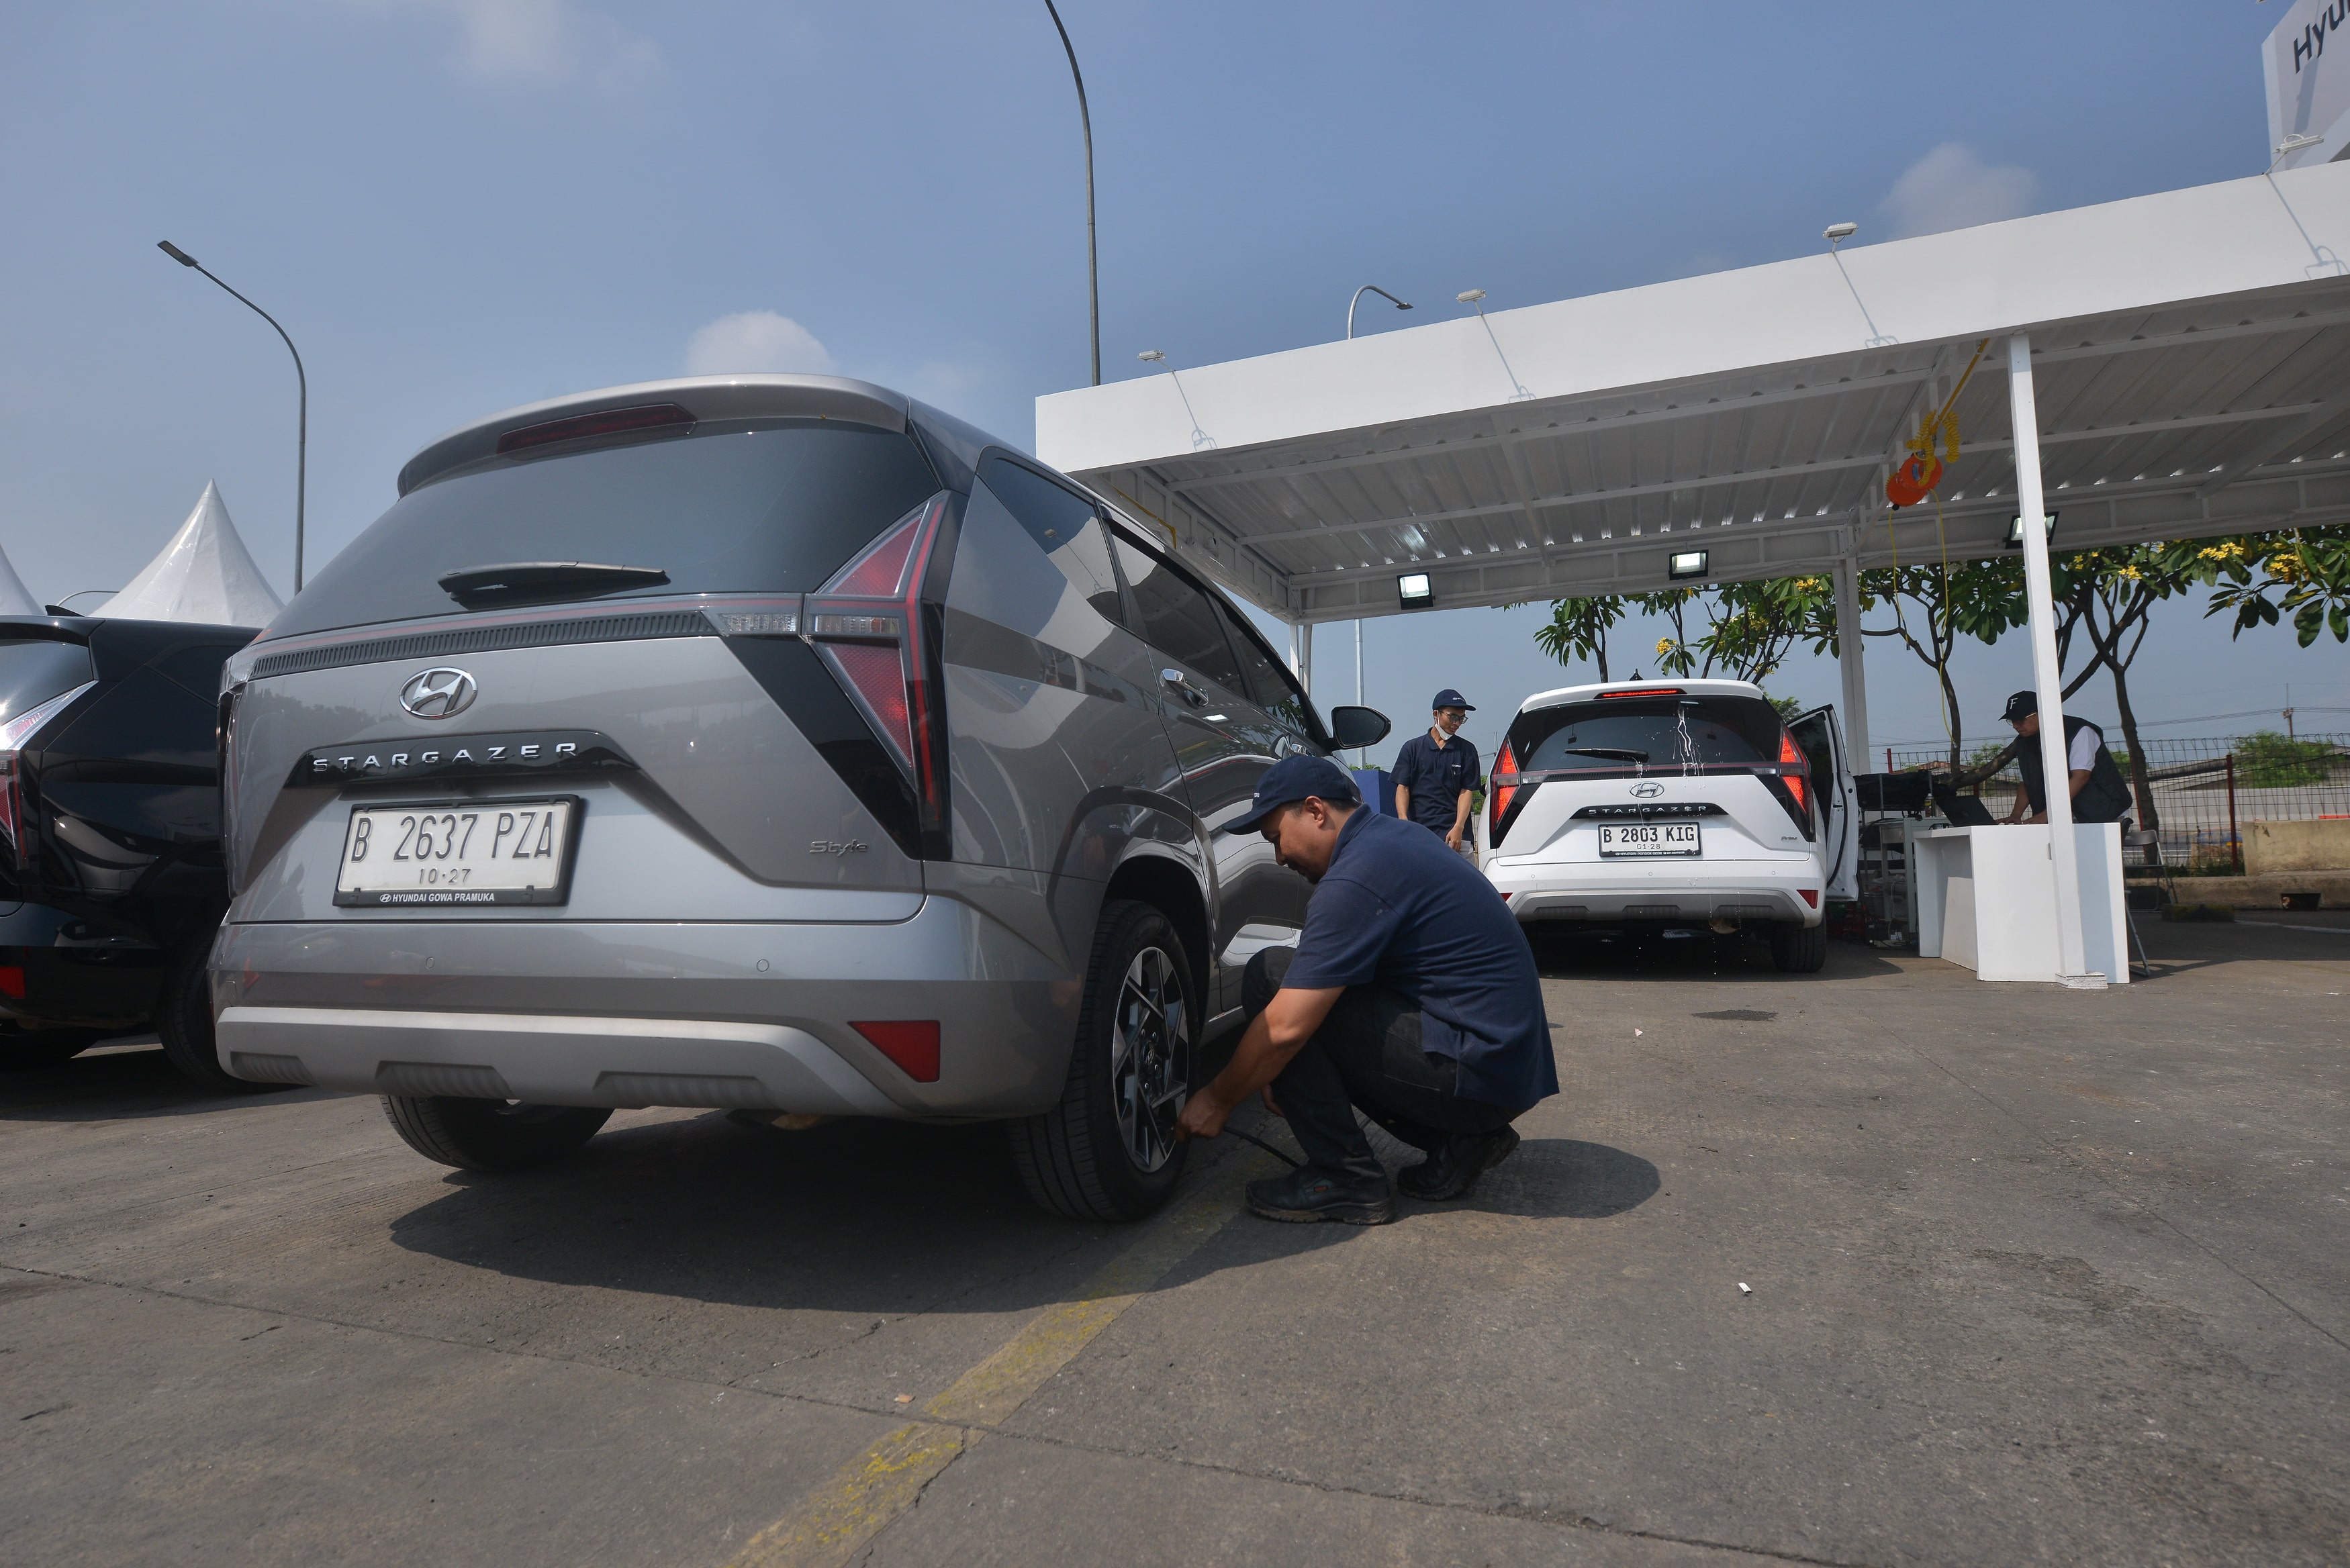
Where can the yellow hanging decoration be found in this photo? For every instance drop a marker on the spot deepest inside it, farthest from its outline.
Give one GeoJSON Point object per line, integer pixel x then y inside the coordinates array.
{"type": "Point", "coordinates": [1921, 471]}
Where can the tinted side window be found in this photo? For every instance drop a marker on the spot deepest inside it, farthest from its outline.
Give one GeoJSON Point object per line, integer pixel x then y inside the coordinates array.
{"type": "Point", "coordinates": [1178, 619]}
{"type": "Point", "coordinates": [1063, 526]}
{"type": "Point", "coordinates": [1266, 685]}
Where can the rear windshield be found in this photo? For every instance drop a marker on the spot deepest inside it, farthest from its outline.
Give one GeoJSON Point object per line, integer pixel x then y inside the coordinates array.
{"type": "Point", "coordinates": [32, 672]}
{"type": "Point", "coordinates": [736, 506]}
{"type": "Point", "coordinates": [1651, 732]}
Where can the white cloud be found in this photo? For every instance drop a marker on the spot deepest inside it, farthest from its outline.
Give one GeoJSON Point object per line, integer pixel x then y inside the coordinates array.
{"type": "Point", "coordinates": [755, 340]}
{"type": "Point", "coordinates": [549, 43]}
{"type": "Point", "coordinates": [1952, 188]}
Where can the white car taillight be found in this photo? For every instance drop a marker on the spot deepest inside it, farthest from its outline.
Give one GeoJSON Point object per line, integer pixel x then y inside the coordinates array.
{"type": "Point", "coordinates": [14, 735]}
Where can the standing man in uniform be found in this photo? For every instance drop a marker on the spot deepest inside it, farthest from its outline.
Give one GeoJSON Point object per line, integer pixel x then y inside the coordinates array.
{"type": "Point", "coordinates": [1412, 994]}
{"type": "Point", "coordinates": [1436, 774]}
{"type": "Point", "coordinates": [2099, 793]}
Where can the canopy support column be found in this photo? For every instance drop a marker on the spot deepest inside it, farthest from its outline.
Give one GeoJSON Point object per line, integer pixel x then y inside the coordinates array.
{"type": "Point", "coordinates": [1300, 654]}
{"type": "Point", "coordinates": [2047, 678]}
{"type": "Point", "coordinates": [1850, 662]}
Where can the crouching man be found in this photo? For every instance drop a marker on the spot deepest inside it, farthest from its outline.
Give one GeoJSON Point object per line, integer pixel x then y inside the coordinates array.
{"type": "Point", "coordinates": [1410, 993]}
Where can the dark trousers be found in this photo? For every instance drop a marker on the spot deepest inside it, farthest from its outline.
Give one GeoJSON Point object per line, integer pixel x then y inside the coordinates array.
{"type": "Point", "coordinates": [1367, 1053]}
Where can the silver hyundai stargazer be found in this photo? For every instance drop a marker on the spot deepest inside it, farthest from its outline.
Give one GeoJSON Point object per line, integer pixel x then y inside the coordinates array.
{"type": "Point", "coordinates": [762, 742]}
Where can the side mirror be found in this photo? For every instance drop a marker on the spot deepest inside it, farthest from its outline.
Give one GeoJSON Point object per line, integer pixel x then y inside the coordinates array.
{"type": "Point", "coordinates": [1351, 727]}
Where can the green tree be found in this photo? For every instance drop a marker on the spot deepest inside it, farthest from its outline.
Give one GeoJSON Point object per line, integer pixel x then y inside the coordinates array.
{"type": "Point", "coordinates": [1935, 606]}
{"type": "Point", "coordinates": [1756, 625]}
{"type": "Point", "coordinates": [2266, 760]}
{"type": "Point", "coordinates": [2107, 595]}
{"type": "Point", "coordinates": [2301, 574]}
{"type": "Point", "coordinates": [1676, 654]}
{"type": "Point", "coordinates": [1577, 628]}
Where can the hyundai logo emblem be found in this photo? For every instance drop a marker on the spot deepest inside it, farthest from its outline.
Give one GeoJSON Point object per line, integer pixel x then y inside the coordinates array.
{"type": "Point", "coordinates": [1647, 789]}
{"type": "Point", "coordinates": [438, 693]}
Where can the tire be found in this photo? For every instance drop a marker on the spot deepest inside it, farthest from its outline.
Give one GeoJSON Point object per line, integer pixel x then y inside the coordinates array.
{"type": "Point", "coordinates": [1106, 1150]}
{"type": "Point", "coordinates": [491, 1135]}
{"type": "Point", "coordinates": [1799, 949]}
{"type": "Point", "coordinates": [183, 1021]}
{"type": "Point", "coordinates": [25, 1049]}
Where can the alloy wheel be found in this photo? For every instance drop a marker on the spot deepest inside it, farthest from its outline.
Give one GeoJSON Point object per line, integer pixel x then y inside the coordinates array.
{"type": "Point", "coordinates": [1151, 1058]}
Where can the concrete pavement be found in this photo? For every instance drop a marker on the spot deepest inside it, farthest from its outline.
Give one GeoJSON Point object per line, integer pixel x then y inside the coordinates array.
{"type": "Point", "coordinates": [2035, 1276]}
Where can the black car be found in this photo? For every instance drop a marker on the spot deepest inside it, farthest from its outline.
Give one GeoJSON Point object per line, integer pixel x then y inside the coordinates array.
{"type": "Point", "coordinates": [111, 880]}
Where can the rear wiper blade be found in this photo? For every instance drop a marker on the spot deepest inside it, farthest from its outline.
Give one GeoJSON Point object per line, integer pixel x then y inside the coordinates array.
{"type": "Point", "coordinates": [544, 582]}
{"type": "Point", "coordinates": [1618, 752]}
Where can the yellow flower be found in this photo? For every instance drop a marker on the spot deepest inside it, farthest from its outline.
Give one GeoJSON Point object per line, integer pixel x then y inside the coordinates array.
{"type": "Point", "coordinates": [2231, 551]}
{"type": "Point", "coordinates": [2287, 566]}
{"type": "Point", "coordinates": [1664, 646]}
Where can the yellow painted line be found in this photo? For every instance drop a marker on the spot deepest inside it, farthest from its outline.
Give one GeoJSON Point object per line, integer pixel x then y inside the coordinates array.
{"type": "Point", "coordinates": [834, 1520]}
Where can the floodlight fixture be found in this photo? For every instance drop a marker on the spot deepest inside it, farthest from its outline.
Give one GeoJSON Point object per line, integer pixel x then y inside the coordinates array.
{"type": "Point", "coordinates": [1412, 591]}
{"type": "Point", "coordinates": [1470, 296]}
{"type": "Point", "coordinates": [1153, 355]}
{"type": "Point", "coordinates": [1836, 233]}
{"type": "Point", "coordinates": [1685, 564]}
{"type": "Point", "coordinates": [2014, 540]}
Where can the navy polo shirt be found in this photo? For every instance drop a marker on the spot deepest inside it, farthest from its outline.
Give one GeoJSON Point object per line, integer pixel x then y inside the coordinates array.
{"type": "Point", "coordinates": [1398, 909]}
{"type": "Point", "coordinates": [1436, 775]}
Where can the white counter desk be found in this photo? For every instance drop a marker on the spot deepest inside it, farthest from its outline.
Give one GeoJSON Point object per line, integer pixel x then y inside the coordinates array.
{"type": "Point", "coordinates": [1987, 900]}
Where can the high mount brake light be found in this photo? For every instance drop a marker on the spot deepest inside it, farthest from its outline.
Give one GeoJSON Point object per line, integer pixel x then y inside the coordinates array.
{"type": "Point", "coordinates": [1644, 692]}
{"type": "Point", "coordinates": [580, 427]}
{"type": "Point", "coordinates": [870, 625]}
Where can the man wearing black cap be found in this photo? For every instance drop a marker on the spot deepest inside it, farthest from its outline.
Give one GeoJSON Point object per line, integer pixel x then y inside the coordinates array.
{"type": "Point", "coordinates": [1436, 774]}
{"type": "Point", "coordinates": [1410, 993]}
{"type": "Point", "coordinates": [2099, 793]}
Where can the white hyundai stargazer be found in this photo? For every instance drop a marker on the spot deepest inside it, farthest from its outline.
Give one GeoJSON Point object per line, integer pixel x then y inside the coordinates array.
{"type": "Point", "coordinates": [1671, 802]}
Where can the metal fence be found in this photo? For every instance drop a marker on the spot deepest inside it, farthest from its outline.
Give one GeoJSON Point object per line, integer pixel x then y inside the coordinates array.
{"type": "Point", "coordinates": [2204, 791]}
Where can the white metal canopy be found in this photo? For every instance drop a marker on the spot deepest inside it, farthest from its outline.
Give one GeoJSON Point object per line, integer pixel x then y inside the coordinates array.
{"type": "Point", "coordinates": [2191, 350]}
{"type": "Point", "coordinates": [2168, 367]}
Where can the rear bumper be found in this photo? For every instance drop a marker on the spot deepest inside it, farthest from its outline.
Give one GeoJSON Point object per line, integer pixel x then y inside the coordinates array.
{"type": "Point", "coordinates": [1740, 890]}
{"type": "Point", "coordinates": [75, 972]}
{"type": "Point", "coordinates": [595, 1013]}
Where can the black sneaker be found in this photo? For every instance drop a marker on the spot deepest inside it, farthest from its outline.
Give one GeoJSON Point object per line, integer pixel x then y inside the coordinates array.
{"type": "Point", "coordinates": [1308, 1195]}
{"type": "Point", "coordinates": [1457, 1163]}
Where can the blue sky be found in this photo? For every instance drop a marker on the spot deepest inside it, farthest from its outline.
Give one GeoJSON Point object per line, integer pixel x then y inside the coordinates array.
{"type": "Point", "coordinates": [457, 205]}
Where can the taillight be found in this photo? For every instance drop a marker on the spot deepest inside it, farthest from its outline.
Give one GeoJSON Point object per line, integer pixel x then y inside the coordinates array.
{"type": "Point", "coordinates": [14, 736]}
{"type": "Point", "coordinates": [1498, 798]}
{"type": "Point", "coordinates": [1798, 784]}
{"type": "Point", "coordinates": [12, 982]}
{"type": "Point", "coordinates": [873, 629]}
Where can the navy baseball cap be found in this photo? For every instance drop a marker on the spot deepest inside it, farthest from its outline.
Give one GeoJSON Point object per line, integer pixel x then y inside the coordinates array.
{"type": "Point", "coordinates": [1293, 779]}
{"type": "Point", "coordinates": [2021, 704]}
{"type": "Point", "coordinates": [1448, 698]}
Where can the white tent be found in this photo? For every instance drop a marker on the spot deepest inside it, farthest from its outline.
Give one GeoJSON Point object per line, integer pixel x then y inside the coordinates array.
{"type": "Point", "coordinates": [205, 575]}
{"type": "Point", "coordinates": [14, 597]}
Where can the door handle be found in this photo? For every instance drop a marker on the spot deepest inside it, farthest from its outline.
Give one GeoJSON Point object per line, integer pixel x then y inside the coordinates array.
{"type": "Point", "coordinates": [1191, 694]}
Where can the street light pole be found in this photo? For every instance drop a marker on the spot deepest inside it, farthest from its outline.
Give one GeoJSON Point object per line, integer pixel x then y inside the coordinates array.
{"type": "Point", "coordinates": [302, 379]}
{"type": "Point", "coordinates": [1369, 288]}
{"type": "Point", "coordinates": [1085, 121]}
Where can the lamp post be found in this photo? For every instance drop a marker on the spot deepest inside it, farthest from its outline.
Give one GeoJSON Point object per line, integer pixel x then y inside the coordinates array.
{"type": "Point", "coordinates": [1086, 121]}
{"type": "Point", "coordinates": [302, 379]}
{"type": "Point", "coordinates": [1369, 288]}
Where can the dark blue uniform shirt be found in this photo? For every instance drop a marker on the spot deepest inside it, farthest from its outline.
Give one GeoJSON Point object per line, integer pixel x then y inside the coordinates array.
{"type": "Point", "coordinates": [1398, 909]}
{"type": "Point", "coordinates": [1436, 777]}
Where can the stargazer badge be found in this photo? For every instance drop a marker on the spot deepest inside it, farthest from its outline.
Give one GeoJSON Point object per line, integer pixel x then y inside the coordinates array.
{"type": "Point", "coordinates": [461, 756]}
